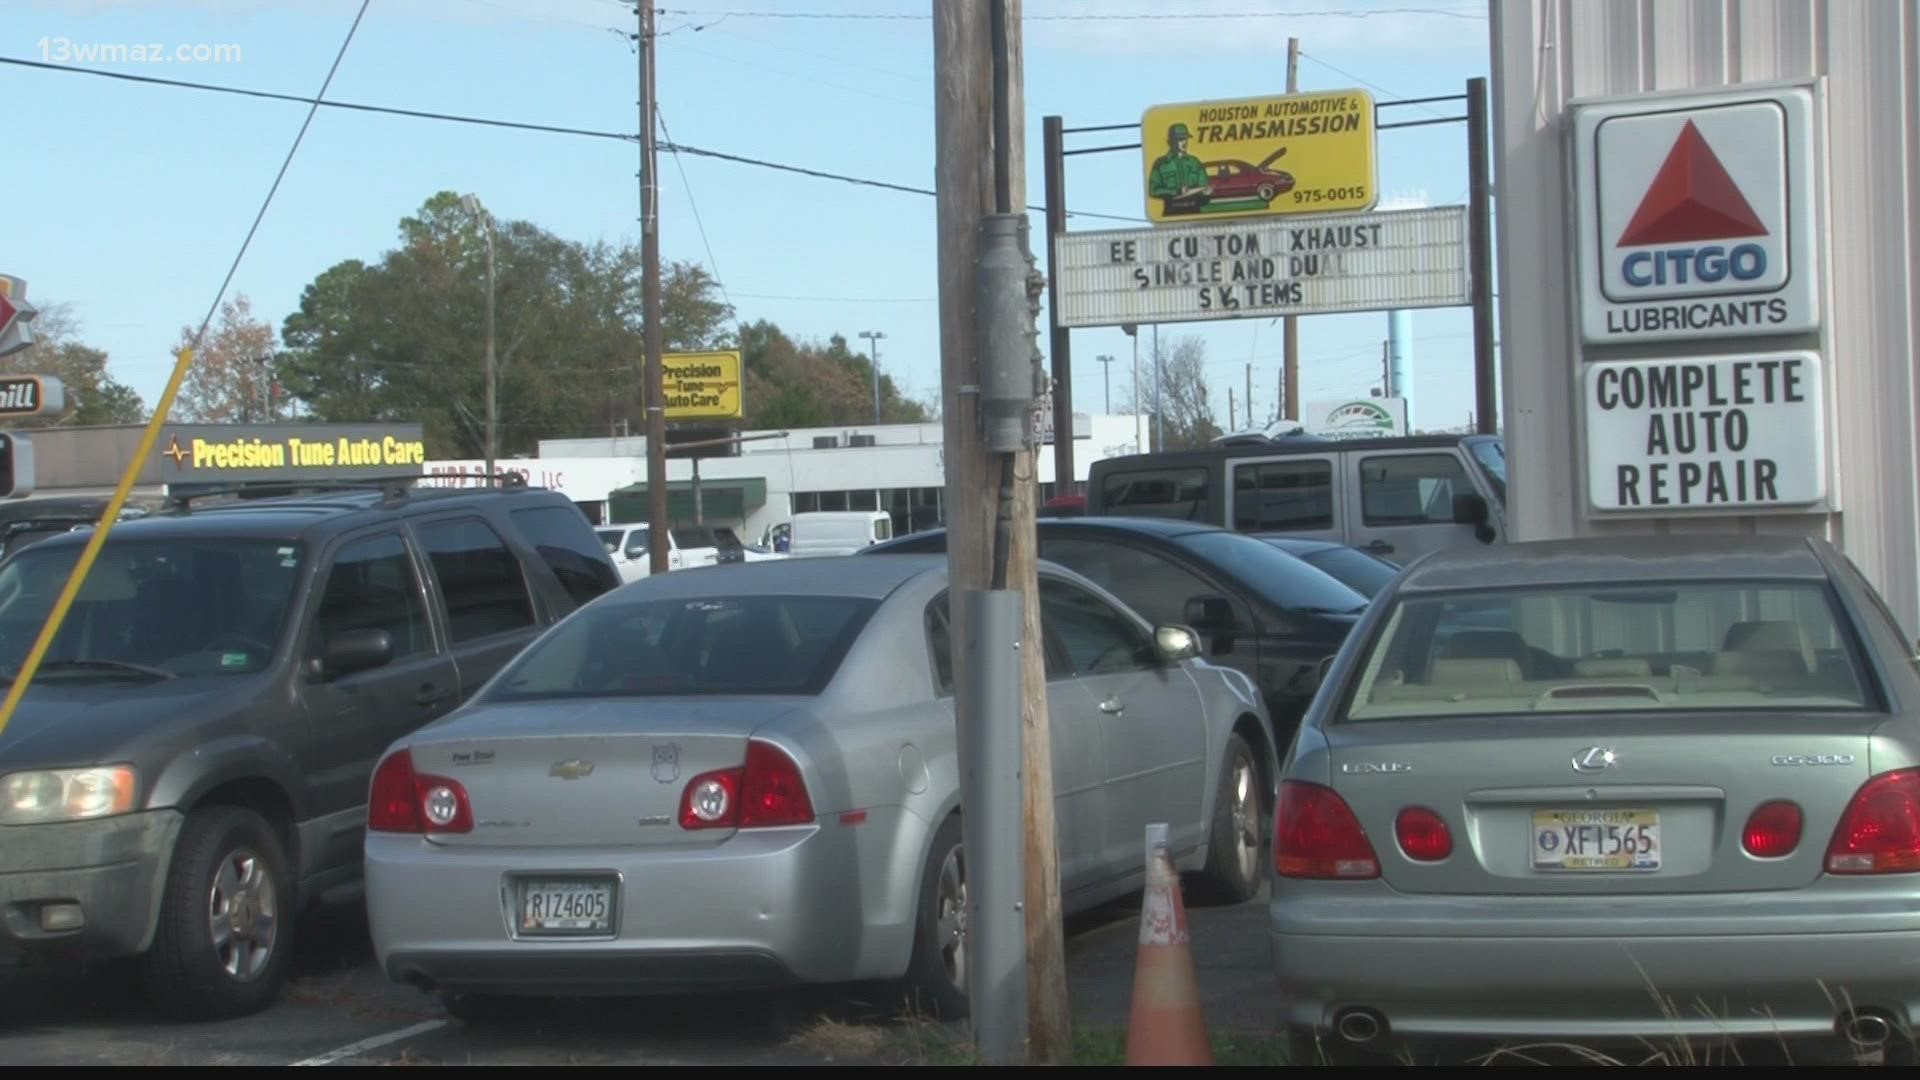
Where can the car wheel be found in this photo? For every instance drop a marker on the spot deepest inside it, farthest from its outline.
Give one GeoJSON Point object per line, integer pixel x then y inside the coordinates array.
{"type": "Point", "coordinates": [1266, 192]}
{"type": "Point", "coordinates": [937, 974]}
{"type": "Point", "coordinates": [1236, 840]}
{"type": "Point", "coordinates": [225, 934]}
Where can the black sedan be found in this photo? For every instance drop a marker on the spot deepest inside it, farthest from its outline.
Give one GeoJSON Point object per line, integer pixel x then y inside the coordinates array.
{"type": "Point", "coordinates": [1364, 573]}
{"type": "Point", "coordinates": [1259, 609]}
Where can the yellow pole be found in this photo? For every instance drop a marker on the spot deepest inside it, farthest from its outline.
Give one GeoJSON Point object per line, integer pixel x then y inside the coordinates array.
{"type": "Point", "coordinates": [80, 569]}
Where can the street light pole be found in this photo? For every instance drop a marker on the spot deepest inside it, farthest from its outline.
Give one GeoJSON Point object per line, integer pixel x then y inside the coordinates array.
{"type": "Point", "coordinates": [472, 203]}
{"type": "Point", "coordinates": [1106, 383]}
{"type": "Point", "coordinates": [873, 338]}
{"type": "Point", "coordinates": [1134, 333]}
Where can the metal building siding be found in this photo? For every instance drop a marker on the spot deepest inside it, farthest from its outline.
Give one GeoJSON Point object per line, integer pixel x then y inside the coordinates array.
{"type": "Point", "coordinates": [1546, 52]}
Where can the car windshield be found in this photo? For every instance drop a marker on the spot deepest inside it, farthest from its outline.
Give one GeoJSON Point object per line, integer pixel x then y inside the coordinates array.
{"type": "Point", "coordinates": [1492, 456]}
{"type": "Point", "coordinates": [706, 646]}
{"type": "Point", "coordinates": [609, 539]}
{"type": "Point", "coordinates": [1357, 570]}
{"type": "Point", "coordinates": [1706, 645]}
{"type": "Point", "coordinates": [155, 607]}
{"type": "Point", "coordinates": [1285, 582]}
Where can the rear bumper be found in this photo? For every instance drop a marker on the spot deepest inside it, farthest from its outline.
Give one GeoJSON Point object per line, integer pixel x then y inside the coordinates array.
{"type": "Point", "coordinates": [1516, 978]}
{"type": "Point", "coordinates": [758, 910]}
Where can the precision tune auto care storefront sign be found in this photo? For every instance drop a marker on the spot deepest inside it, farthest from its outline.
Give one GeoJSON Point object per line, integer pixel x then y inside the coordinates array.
{"type": "Point", "coordinates": [1699, 287]}
{"type": "Point", "coordinates": [226, 454]}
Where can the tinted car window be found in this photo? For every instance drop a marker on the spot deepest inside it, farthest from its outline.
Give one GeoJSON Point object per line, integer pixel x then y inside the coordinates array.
{"type": "Point", "coordinates": [1155, 586]}
{"type": "Point", "coordinates": [372, 587]}
{"type": "Point", "coordinates": [1174, 493]}
{"type": "Point", "coordinates": [1411, 489]}
{"type": "Point", "coordinates": [480, 580]}
{"type": "Point", "coordinates": [1283, 495]}
{"type": "Point", "coordinates": [723, 645]}
{"type": "Point", "coordinates": [1098, 640]}
{"type": "Point", "coordinates": [1283, 580]}
{"type": "Point", "coordinates": [568, 546]}
{"type": "Point", "coordinates": [202, 606]}
{"type": "Point", "coordinates": [1357, 570]}
{"type": "Point", "coordinates": [940, 644]}
{"type": "Point", "coordinates": [1492, 456]}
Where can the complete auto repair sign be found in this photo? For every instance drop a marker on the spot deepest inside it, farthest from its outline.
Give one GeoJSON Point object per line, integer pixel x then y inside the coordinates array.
{"type": "Point", "coordinates": [1697, 236]}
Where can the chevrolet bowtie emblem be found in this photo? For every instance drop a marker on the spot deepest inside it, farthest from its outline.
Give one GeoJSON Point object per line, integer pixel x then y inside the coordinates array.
{"type": "Point", "coordinates": [571, 770]}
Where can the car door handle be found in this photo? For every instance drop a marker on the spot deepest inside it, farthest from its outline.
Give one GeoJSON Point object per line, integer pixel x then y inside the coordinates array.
{"type": "Point", "coordinates": [1112, 706]}
{"type": "Point", "coordinates": [1380, 546]}
{"type": "Point", "coordinates": [428, 694]}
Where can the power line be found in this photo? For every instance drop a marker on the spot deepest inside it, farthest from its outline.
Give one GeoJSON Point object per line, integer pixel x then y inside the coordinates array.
{"type": "Point", "coordinates": [844, 299]}
{"type": "Point", "coordinates": [1369, 13]}
{"type": "Point", "coordinates": [552, 129]}
{"type": "Point", "coordinates": [1371, 86]}
{"type": "Point", "coordinates": [719, 279]}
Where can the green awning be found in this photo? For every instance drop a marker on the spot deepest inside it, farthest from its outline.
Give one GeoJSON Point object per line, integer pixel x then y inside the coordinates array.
{"type": "Point", "coordinates": [720, 500]}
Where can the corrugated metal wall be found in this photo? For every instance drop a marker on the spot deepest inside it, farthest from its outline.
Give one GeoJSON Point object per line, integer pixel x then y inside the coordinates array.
{"type": "Point", "coordinates": [1546, 52]}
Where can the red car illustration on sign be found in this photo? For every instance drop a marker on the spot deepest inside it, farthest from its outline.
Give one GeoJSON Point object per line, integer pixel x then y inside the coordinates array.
{"type": "Point", "coordinates": [1239, 180]}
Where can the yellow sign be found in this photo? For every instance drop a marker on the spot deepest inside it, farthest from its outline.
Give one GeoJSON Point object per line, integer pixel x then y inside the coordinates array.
{"type": "Point", "coordinates": [1258, 157]}
{"type": "Point", "coordinates": [702, 385]}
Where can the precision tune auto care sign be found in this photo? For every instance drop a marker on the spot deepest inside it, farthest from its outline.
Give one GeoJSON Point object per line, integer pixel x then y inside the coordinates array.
{"type": "Point", "coordinates": [1706, 433]}
{"type": "Point", "coordinates": [1376, 261]}
{"type": "Point", "coordinates": [1697, 216]}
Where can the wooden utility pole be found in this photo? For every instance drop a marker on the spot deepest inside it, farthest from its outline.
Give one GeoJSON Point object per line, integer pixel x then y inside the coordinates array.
{"type": "Point", "coordinates": [964, 123]}
{"type": "Point", "coordinates": [1290, 367]}
{"type": "Point", "coordinates": [656, 380]}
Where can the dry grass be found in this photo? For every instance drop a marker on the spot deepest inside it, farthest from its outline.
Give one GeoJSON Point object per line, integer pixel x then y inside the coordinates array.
{"type": "Point", "coordinates": [837, 1039]}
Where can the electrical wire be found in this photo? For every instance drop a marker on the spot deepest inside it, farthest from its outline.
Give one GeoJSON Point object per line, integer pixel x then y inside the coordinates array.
{"type": "Point", "coordinates": [552, 129]}
{"type": "Point", "coordinates": [718, 278]}
{"type": "Point", "coordinates": [1365, 13]}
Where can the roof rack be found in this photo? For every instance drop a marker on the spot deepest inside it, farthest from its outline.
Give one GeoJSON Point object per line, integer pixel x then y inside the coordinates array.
{"type": "Point", "coordinates": [392, 488]}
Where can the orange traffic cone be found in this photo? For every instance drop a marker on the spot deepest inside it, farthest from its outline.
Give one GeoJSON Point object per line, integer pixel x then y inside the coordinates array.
{"type": "Point", "coordinates": [1165, 1027]}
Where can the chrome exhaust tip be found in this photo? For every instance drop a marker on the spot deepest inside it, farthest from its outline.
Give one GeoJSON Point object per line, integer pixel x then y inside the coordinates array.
{"type": "Point", "coordinates": [1867, 1030]}
{"type": "Point", "coordinates": [1359, 1025]}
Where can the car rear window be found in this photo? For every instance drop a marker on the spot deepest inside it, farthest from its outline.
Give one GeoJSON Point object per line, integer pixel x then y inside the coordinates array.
{"type": "Point", "coordinates": [1696, 646]}
{"type": "Point", "coordinates": [705, 646]}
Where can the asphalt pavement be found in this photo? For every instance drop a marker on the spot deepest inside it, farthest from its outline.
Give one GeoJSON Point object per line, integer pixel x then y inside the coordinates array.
{"type": "Point", "coordinates": [339, 1010]}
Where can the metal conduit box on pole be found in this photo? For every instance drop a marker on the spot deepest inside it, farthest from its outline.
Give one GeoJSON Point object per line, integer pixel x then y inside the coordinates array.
{"type": "Point", "coordinates": [1009, 367]}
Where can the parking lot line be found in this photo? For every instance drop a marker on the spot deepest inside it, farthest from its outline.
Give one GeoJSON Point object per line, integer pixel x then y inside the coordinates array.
{"type": "Point", "coordinates": [376, 1041]}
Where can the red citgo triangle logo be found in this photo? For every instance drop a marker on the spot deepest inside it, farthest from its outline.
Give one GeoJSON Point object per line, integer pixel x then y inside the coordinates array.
{"type": "Point", "coordinates": [1691, 198]}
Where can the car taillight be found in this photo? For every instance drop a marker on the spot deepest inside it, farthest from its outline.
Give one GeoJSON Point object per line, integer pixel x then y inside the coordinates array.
{"type": "Point", "coordinates": [405, 801]}
{"type": "Point", "coordinates": [1315, 835]}
{"type": "Point", "coordinates": [1773, 830]}
{"type": "Point", "coordinates": [1880, 832]}
{"type": "Point", "coordinates": [765, 792]}
{"type": "Point", "coordinates": [1423, 834]}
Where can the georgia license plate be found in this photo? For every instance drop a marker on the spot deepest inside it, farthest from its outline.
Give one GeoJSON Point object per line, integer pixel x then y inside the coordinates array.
{"type": "Point", "coordinates": [1596, 840]}
{"type": "Point", "coordinates": [578, 906]}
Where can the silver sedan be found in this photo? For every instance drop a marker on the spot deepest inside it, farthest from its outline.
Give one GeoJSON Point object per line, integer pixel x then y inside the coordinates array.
{"type": "Point", "coordinates": [1644, 796]}
{"type": "Point", "coordinates": [746, 777]}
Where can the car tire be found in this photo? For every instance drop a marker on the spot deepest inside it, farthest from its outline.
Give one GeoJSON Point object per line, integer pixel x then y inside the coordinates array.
{"type": "Point", "coordinates": [936, 979]}
{"type": "Point", "coordinates": [229, 874]}
{"type": "Point", "coordinates": [1266, 193]}
{"type": "Point", "coordinates": [1236, 842]}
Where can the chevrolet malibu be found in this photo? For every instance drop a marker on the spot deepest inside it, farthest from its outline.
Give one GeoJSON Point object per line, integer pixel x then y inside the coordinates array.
{"type": "Point", "coordinates": [746, 777]}
{"type": "Point", "coordinates": [1657, 793]}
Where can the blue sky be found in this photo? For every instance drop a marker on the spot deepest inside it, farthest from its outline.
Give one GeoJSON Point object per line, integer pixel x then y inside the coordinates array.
{"type": "Point", "coordinates": [128, 201]}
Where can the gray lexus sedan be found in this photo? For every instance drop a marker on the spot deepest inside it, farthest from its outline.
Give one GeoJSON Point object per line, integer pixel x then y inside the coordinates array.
{"type": "Point", "coordinates": [1655, 794]}
{"type": "Point", "coordinates": [746, 777]}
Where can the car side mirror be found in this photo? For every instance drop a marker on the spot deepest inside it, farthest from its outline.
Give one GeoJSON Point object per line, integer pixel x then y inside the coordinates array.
{"type": "Point", "coordinates": [1173, 644]}
{"type": "Point", "coordinates": [355, 650]}
{"type": "Point", "coordinates": [1209, 612]}
{"type": "Point", "coordinates": [1470, 508]}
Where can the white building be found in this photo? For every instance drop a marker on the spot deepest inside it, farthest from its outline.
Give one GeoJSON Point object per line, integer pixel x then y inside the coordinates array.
{"type": "Point", "coordinates": [898, 468]}
{"type": "Point", "coordinates": [1864, 440]}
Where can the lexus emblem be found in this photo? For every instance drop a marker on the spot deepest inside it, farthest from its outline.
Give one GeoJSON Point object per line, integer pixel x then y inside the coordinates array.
{"type": "Point", "coordinates": [1594, 759]}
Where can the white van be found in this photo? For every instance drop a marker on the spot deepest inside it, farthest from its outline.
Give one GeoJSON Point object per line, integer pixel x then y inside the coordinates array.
{"type": "Point", "coordinates": [835, 532]}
